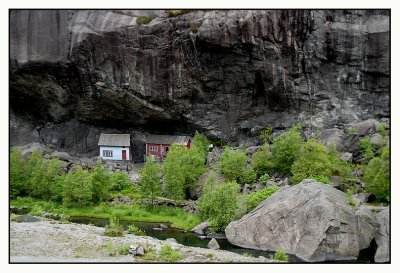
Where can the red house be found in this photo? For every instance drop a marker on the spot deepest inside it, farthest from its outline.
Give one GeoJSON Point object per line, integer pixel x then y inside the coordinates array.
{"type": "Point", "coordinates": [157, 145]}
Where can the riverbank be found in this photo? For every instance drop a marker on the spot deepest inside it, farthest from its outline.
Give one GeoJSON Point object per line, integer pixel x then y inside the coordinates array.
{"type": "Point", "coordinates": [52, 241]}
{"type": "Point", "coordinates": [177, 217]}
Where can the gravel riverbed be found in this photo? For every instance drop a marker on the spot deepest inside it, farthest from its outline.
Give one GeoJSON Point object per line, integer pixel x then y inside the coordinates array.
{"type": "Point", "coordinates": [56, 242]}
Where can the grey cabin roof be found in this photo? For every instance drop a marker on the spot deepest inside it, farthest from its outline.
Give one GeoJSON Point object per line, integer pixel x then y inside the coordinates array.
{"type": "Point", "coordinates": [167, 139]}
{"type": "Point", "coordinates": [116, 140]}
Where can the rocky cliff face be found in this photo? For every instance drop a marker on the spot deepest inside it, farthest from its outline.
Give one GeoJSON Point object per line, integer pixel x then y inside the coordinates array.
{"type": "Point", "coordinates": [226, 73]}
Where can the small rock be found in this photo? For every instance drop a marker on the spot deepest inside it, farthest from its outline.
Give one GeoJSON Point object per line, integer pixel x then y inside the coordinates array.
{"type": "Point", "coordinates": [213, 244]}
{"type": "Point", "coordinates": [140, 251]}
{"type": "Point", "coordinates": [163, 226]}
{"type": "Point", "coordinates": [171, 240]}
{"type": "Point", "coordinates": [203, 237]}
{"type": "Point", "coordinates": [156, 228]}
{"type": "Point", "coordinates": [382, 237]}
{"type": "Point", "coordinates": [259, 186]}
{"type": "Point", "coordinates": [336, 181]}
{"type": "Point", "coordinates": [200, 228]}
{"type": "Point", "coordinates": [348, 157]}
{"type": "Point", "coordinates": [377, 140]}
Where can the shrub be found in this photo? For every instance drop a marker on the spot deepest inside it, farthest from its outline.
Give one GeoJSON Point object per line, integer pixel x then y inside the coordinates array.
{"type": "Point", "coordinates": [149, 182]}
{"type": "Point", "coordinates": [285, 149]}
{"type": "Point", "coordinates": [249, 176]}
{"type": "Point", "coordinates": [261, 159]}
{"type": "Point", "coordinates": [312, 163]}
{"type": "Point", "coordinates": [218, 204]}
{"type": "Point", "coordinates": [120, 181]}
{"type": "Point", "coordinates": [143, 20]}
{"type": "Point", "coordinates": [266, 135]}
{"type": "Point", "coordinates": [234, 166]}
{"type": "Point", "coordinates": [340, 168]}
{"type": "Point", "coordinates": [177, 12]}
{"type": "Point", "coordinates": [18, 173]}
{"type": "Point", "coordinates": [114, 229]}
{"type": "Point", "coordinates": [255, 198]}
{"type": "Point", "coordinates": [100, 182]}
{"type": "Point", "coordinates": [132, 229]}
{"type": "Point", "coordinates": [377, 176]}
{"type": "Point", "coordinates": [367, 149]}
{"type": "Point", "coordinates": [264, 178]}
{"type": "Point", "coordinates": [280, 255]}
{"type": "Point", "coordinates": [77, 188]}
{"type": "Point", "coordinates": [123, 249]}
{"type": "Point", "coordinates": [168, 254]}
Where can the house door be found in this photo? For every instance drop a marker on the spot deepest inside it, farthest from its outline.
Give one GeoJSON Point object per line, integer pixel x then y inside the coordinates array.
{"type": "Point", "coordinates": [123, 155]}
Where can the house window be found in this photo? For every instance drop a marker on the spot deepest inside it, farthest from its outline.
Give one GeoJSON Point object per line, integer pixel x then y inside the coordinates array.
{"type": "Point", "coordinates": [107, 153]}
{"type": "Point", "coordinates": [153, 148]}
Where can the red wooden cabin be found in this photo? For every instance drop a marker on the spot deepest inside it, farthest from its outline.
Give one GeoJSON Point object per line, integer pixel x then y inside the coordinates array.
{"type": "Point", "coordinates": [157, 145]}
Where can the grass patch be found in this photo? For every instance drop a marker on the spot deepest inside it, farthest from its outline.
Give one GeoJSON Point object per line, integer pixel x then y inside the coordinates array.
{"type": "Point", "coordinates": [168, 254]}
{"type": "Point", "coordinates": [177, 12]}
{"type": "Point", "coordinates": [280, 255]}
{"type": "Point", "coordinates": [143, 20]}
{"type": "Point", "coordinates": [177, 217]}
{"type": "Point", "coordinates": [132, 229]}
{"type": "Point", "coordinates": [114, 229]}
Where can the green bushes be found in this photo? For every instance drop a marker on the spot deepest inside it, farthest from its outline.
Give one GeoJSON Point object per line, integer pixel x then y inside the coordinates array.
{"type": "Point", "coordinates": [114, 229]}
{"type": "Point", "coordinates": [18, 173]}
{"type": "Point", "coordinates": [280, 255]}
{"type": "Point", "coordinates": [261, 159]}
{"type": "Point", "coordinates": [234, 166]}
{"type": "Point", "coordinates": [45, 179]}
{"type": "Point", "coordinates": [183, 167]}
{"type": "Point", "coordinates": [377, 176]}
{"type": "Point", "coordinates": [367, 149]}
{"type": "Point", "coordinates": [143, 20]}
{"type": "Point", "coordinates": [218, 203]}
{"type": "Point", "coordinates": [285, 149]}
{"type": "Point", "coordinates": [120, 181]}
{"type": "Point", "coordinates": [255, 198]}
{"type": "Point", "coordinates": [77, 188]}
{"type": "Point", "coordinates": [168, 254]}
{"type": "Point", "coordinates": [149, 182]}
{"type": "Point", "coordinates": [312, 162]}
{"type": "Point", "coordinates": [132, 229]}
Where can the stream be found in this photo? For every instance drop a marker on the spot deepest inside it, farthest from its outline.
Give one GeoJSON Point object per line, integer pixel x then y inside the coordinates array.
{"type": "Point", "coordinates": [182, 237]}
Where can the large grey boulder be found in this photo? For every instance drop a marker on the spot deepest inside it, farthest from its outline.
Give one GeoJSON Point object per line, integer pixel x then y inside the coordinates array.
{"type": "Point", "coordinates": [310, 220]}
{"type": "Point", "coordinates": [382, 237]}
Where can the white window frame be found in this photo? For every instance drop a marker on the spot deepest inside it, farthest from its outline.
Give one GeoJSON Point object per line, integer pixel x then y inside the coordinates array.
{"type": "Point", "coordinates": [107, 153]}
{"type": "Point", "coordinates": [153, 148]}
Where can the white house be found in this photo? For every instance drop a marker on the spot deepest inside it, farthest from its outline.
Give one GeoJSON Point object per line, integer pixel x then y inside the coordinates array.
{"type": "Point", "coordinates": [115, 146]}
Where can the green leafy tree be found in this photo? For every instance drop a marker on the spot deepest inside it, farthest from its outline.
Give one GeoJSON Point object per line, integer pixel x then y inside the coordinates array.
{"type": "Point", "coordinates": [149, 182]}
{"type": "Point", "coordinates": [234, 166]}
{"type": "Point", "coordinates": [174, 175]}
{"type": "Point", "coordinates": [219, 203]}
{"type": "Point", "coordinates": [377, 176]}
{"type": "Point", "coordinates": [312, 162]}
{"type": "Point", "coordinates": [285, 149]}
{"type": "Point", "coordinates": [255, 198]}
{"type": "Point", "coordinates": [100, 180]}
{"type": "Point", "coordinates": [77, 188]}
{"type": "Point", "coordinates": [120, 181]}
{"type": "Point", "coordinates": [43, 177]}
{"type": "Point", "coordinates": [261, 159]}
{"type": "Point", "coordinates": [182, 167]}
{"type": "Point", "coordinates": [18, 173]}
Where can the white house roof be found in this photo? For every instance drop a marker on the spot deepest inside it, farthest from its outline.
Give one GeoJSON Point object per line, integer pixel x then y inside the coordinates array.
{"type": "Point", "coordinates": [116, 140]}
{"type": "Point", "coordinates": [167, 139]}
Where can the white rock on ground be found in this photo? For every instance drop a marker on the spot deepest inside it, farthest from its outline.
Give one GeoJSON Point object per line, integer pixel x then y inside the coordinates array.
{"type": "Point", "coordinates": [47, 241]}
